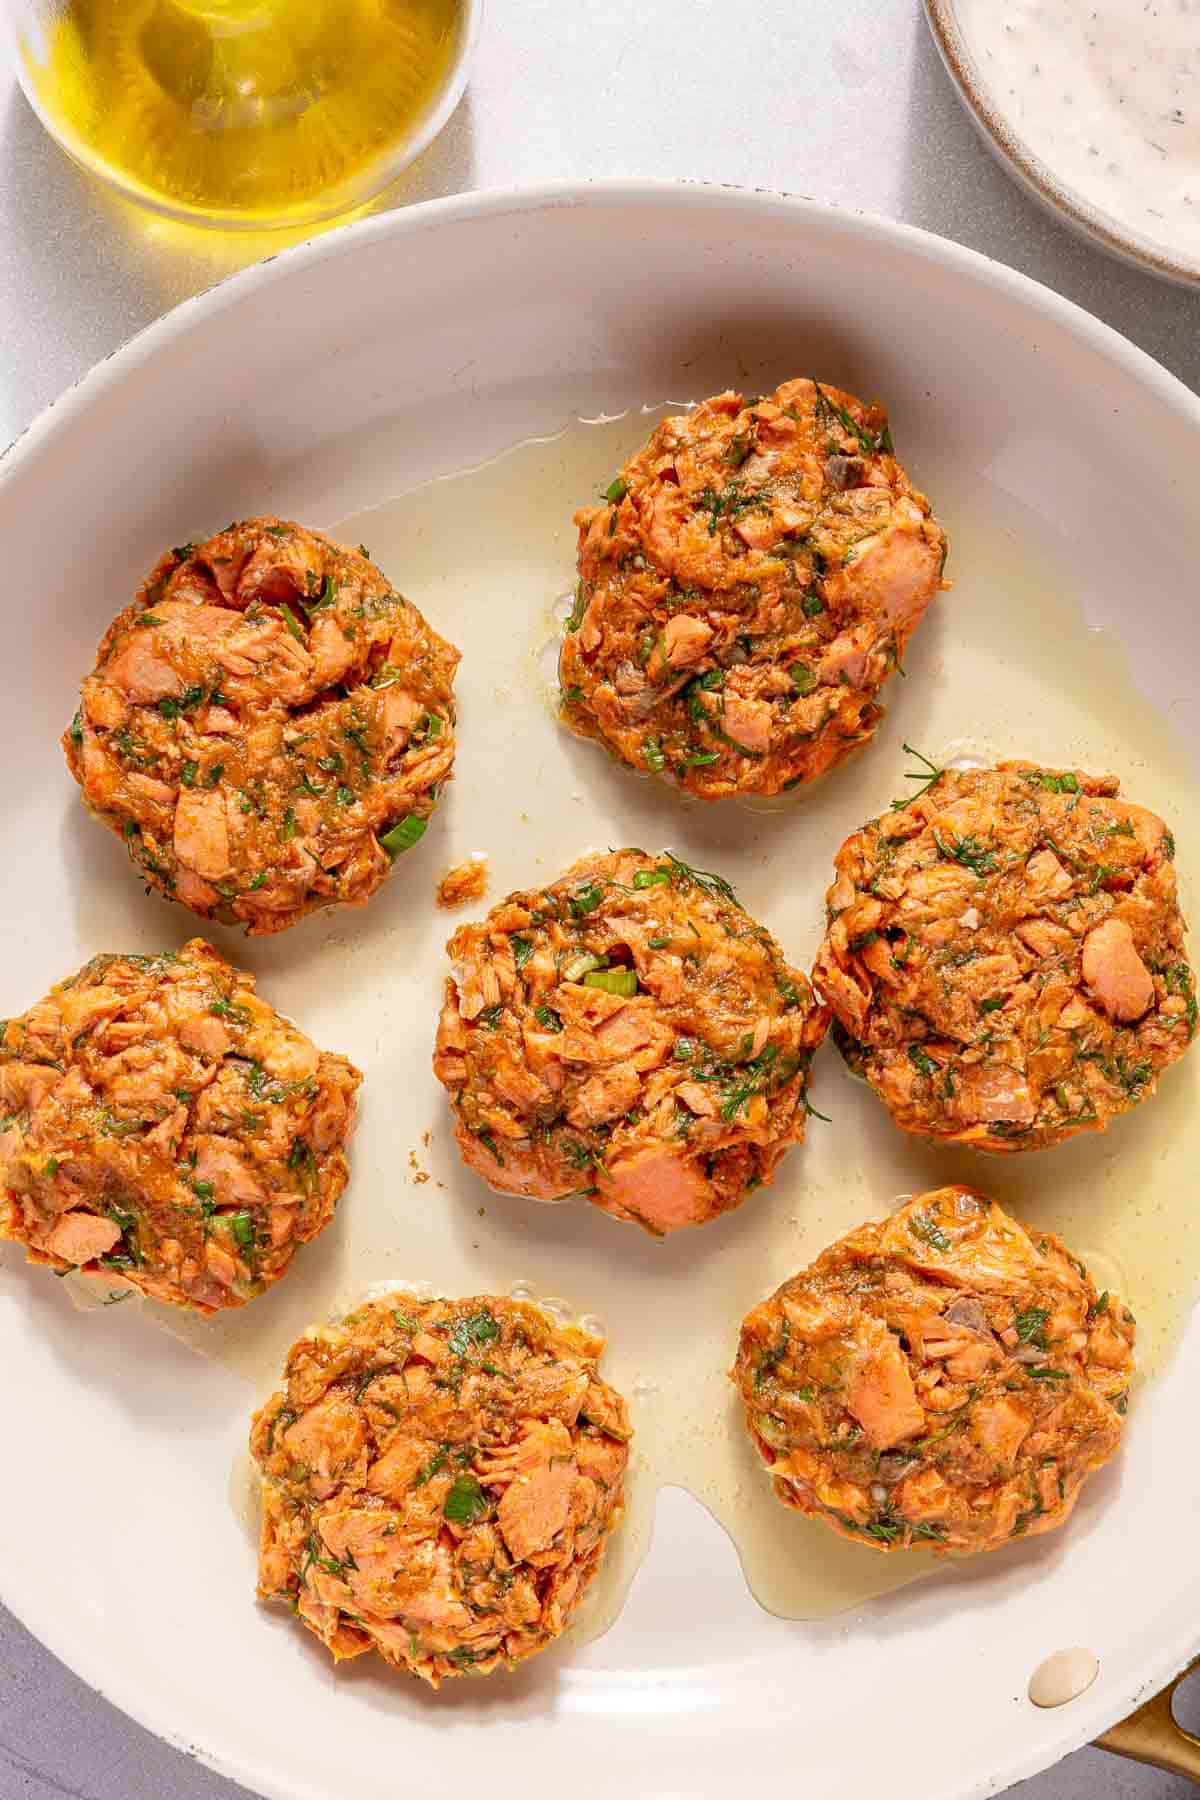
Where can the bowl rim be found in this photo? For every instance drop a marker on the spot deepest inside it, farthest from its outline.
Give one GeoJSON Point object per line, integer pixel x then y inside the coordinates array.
{"type": "Point", "coordinates": [1030, 172]}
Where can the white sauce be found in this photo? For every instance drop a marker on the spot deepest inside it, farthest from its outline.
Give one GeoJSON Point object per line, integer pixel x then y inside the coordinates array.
{"type": "Point", "coordinates": [1105, 93]}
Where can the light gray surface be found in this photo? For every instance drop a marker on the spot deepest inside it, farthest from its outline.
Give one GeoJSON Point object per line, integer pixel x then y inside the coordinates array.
{"type": "Point", "coordinates": [846, 103]}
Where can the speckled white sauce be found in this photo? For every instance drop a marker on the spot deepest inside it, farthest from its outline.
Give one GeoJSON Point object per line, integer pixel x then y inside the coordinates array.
{"type": "Point", "coordinates": [1106, 94]}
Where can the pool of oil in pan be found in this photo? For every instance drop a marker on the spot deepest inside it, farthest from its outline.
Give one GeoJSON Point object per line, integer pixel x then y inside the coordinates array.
{"type": "Point", "coordinates": [487, 554]}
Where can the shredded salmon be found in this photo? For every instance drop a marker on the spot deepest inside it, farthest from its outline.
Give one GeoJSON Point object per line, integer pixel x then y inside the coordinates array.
{"type": "Point", "coordinates": [943, 1377]}
{"type": "Point", "coordinates": [1005, 956]}
{"type": "Point", "coordinates": [629, 1035]}
{"type": "Point", "coordinates": [746, 589]}
{"type": "Point", "coordinates": [464, 883]}
{"type": "Point", "coordinates": [451, 1524]}
{"type": "Point", "coordinates": [164, 1123]}
{"type": "Point", "coordinates": [268, 725]}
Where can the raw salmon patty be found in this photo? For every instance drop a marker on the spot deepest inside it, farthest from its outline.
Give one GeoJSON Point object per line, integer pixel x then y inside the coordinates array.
{"type": "Point", "coordinates": [440, 1481]}
{"type": "Point", "coordinates": [267, 727]}
{"type": "Point", "coordinates": [628, 1034]}
{"type": "Point", "coordinates": [1005, 956]}
{"type": "Point", "coordinates": [164, 1124]}
{"type": "Point", "coordinates": [746, 589]}
{"type": "Point", "coordinates": [944, 1377]}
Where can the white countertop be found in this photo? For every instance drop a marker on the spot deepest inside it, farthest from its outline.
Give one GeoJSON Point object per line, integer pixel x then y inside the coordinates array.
{"type": "Point", "coordinates": [847, 103]}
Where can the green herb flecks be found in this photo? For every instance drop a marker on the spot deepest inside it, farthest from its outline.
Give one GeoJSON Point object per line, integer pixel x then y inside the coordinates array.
{"type": "Point", "coordinates": [926, 1229]}
{"type": "Point", "coordinates": [685, 877]}
{"type": "Point", "coordinates": [1030, 1325]}
{"type": "Point", "coordinates": [1054, 784]}
{"type": "Point", "coordinates": [469, 1333]}
{"type": "Point", "coordinates": [968, 852]}
{"type": "Point", "coordinates": [586, 898]}
{"type": "Point", "coordinates": [575, 618]}
{"type": "Point", "coordinates": [171, 707]}
{"type": "Point", "coordinates": [826, 410]}
{"type": "Point", "coordinates": [927, 774]}
{"type": "Point", "coordinates": [291, 621]}
{"type": "Point", "coordinates": [489, 1143]}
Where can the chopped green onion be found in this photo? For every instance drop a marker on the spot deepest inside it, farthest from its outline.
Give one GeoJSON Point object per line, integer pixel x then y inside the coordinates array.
{"type": "Point", "coordinates": [577, 611]}
{"type": "Point", "coordinates": [653, 754]}
{"type": "Point", "coordinates": [291, 621]}
{"type": "Point", "coordinates": [581, 964]}
{"type": "Point", "coordinates": [647, 878]}
{"type": "Point", "coordinates": [803, 678]}
{"type": "Point", "coordinates": [242, 1226]}
{"type": "Point", "coordinates": [613, 981]}
{"type": "Point", "coordinates": [403, 836]}
{"type": "Point", "coordinates": [616, 491]}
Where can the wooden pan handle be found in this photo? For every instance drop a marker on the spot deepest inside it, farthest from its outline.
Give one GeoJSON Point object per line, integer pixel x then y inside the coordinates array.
{"type": "Point", "coordinates": [1151, 1735]}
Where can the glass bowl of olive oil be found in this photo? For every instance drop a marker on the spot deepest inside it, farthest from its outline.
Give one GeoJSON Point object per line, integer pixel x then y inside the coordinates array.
{"type": "Point", "coordinates": [244, 113]}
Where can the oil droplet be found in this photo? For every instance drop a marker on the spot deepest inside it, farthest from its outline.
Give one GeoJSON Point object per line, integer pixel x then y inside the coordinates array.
{"type": "Point", "coordinates": [1063, 1677]}
{"type": "Point", "coordinates": [245, 1494]}
{"type": "Point", "coordinates": [964, 753]}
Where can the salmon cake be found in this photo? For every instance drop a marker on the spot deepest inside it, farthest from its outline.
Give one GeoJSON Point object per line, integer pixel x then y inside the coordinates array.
{"type": "Point", "coordinates": [745, 589]}
{"type": "Point", "coordinates": [943, 1377]}
{"type": "Point", "coordinates": [267, 727]}
{"type": "Point", "coordinates": [1005, 956]}
{"type": "Point", "coordinates": [628, 1034]}
{"type": "Point", "coordinates": [440, 1481]}
{"type": "Point", "coordinates": [163, 1124]}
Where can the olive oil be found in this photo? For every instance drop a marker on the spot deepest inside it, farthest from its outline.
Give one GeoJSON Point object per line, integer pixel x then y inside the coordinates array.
{"type": "Point", "coordinates": [247, 112]}
{"type": "Point", "coordinates": [488, 554]}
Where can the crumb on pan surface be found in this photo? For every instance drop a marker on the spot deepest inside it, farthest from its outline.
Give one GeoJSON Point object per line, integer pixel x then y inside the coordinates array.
{"type": "Point", "coordinates": [943, 1377]}
{"type": "Point", "coordinates": [440, 1481]}
{"type": "Point", "coordinates": [464, 883]}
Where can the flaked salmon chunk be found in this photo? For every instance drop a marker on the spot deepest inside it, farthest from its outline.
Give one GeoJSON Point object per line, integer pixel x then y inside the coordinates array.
{"type": "Point", "coordinates": [943, 1378]}
{"type": "Point", "coordinates": [628, 1035]}
{"type": "Point", "coordinates": [440, 1481]}
{"type": "Point", "coordinates": [164, 1124]}
{"type": "Point", "coordinates": [1005, 956]}
{"type": "Point", "coordinates": [268, 725]}
{"type": "Point", "coordinates": [746, 588]}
